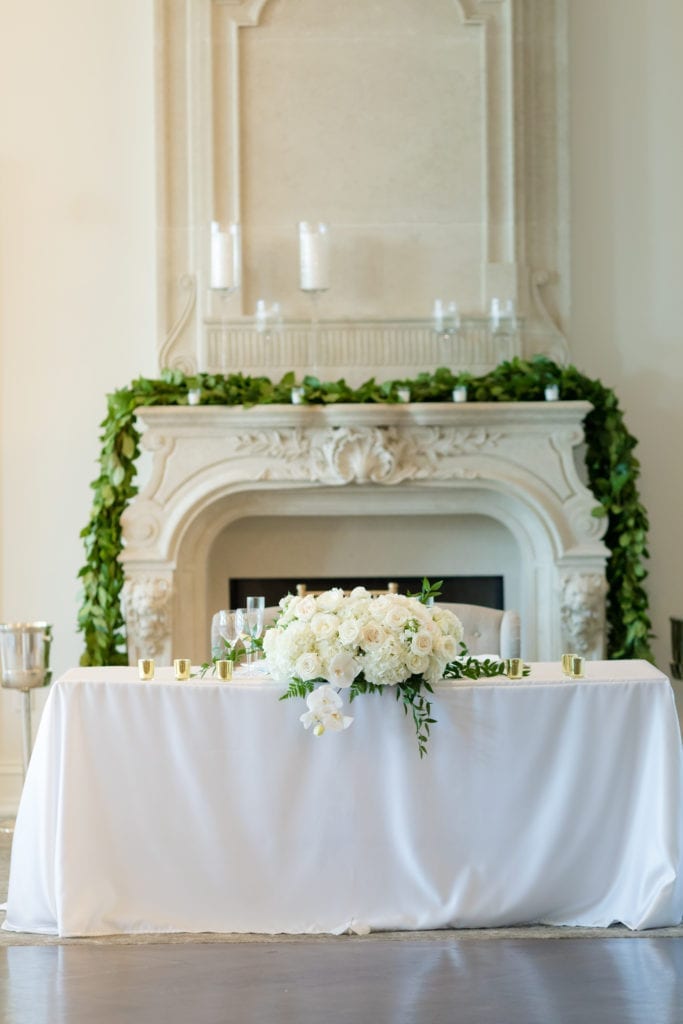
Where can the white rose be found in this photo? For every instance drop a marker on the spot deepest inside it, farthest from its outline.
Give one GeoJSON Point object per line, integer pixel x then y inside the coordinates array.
{"type": "Point", "coordinates": [330, 600]}
{"type": "Point", "coordinates": [417, 663]}
{"type": "Point", "coordinates": [371, 634]}
{"type": "Point", "coordinates": [308, 666]}
{"type": "Point", "coordinates": [348, 631]}
{"type": "Point", "coordinates": [421, 643]}
{"type": "Point", "coordinates": [449, 647]}
{"type": "Point", "coordinates": [396, 617]}
{"type": "Point", "coordinates": [323, 625]}
{"type": "Point", "coordinates": [306, 608]}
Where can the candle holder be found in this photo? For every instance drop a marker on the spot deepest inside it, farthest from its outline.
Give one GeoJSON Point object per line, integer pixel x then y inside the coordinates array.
{"type": "Point", "coordinates": [573, 666]}
{"type": "Point", "coordinates": [551, 392]}
{"type": "Point", "coordinates": [446, 319]}
{"type": "Point", "coordinates": [314, 276]}
{"type": "Point", "coordinates": [182, 668]}
{"type": "Point", "coordinates": [502, 316]}
{"type": "Point", "coordinates": [297, 395]}
{"type": "Point", "coordinates": [225, 275]}
{"type": "Point", "coordinates": [225, 264]}
{"type": "Point", "coordinates": [268, 320]}
{"type": "Point", "coordinates": [403, 395]}
{"type": "Point", "coordinates": [146, 668]}
{"type": "Point", "coordinates": [194, 396]}
{"type": "Point", "coordinates": [514, 668]}
{"type": "Point", "coordinates": [224, 669]}
{"type": "Point", "coordinates": [459, 393]}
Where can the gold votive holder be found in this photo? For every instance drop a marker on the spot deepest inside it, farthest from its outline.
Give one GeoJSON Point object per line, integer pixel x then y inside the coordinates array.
{"type": "Point", "coordinates": [576, 667]}
{"type": "Point", "coordinates": [182, 668]}
{"type": "Point", "coordinates": [514, 668]}
{"type": "Point", "coordinates": [146, 668]}
{"type": "Point", "coordinates": [224, 669]}
{"type": "Point", "coordinates": [566, 662]}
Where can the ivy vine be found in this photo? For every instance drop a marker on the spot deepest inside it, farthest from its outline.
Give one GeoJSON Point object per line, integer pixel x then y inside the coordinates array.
{"type": "Point", "coordinates": [612, 469]}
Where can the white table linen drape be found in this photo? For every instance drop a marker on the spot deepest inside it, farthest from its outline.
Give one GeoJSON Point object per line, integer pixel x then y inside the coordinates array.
{"type": "Point", "coordinates": [204, 806]}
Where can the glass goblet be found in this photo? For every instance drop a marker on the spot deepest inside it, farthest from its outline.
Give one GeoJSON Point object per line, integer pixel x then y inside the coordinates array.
{"type": "Point", "coordinates": [223, 634]}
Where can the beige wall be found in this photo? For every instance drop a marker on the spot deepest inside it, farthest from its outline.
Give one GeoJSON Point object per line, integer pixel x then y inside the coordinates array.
{"type": "Point", "coordinates": [626, 87]}
{"type": "Point", "coordinates": [77, 287]}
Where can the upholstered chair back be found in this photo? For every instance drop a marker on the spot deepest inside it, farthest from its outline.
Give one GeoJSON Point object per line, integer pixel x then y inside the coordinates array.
{"type": "Point", "coordinates": [489, 630]}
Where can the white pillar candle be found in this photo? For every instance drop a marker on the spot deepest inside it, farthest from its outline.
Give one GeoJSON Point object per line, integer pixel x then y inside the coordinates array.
{"type": "Point", "coordinates": [314, 257]}
{"type": "Point", "coordinates": [297, 396]}
{"type": "Point", "coordinates": [460, 393]}
{"type": "Point", "coordinates": [552, 393]}
{"type": "Point", "coordinates": [194, 396]}
{"type": "Point", "coordinates": [438, 315]}
{"type": "Point", "coordinates": [495, 314]}
{"type": "Point", "coordinates": [403, 394]}
{"type": "Point", "coordinates": [261, 316]}
{"type": "Point", "coordinates": [226, 257]}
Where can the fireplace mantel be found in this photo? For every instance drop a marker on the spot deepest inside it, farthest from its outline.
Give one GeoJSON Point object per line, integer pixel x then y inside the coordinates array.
{"type": "Point", "coordinates": [514, 462]}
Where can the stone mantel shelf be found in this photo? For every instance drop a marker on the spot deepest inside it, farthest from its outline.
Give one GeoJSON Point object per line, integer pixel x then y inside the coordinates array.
{"type": "Point", "coordinates": [543, 416]}
{"type": "Point", "coordinates": [515, 462]}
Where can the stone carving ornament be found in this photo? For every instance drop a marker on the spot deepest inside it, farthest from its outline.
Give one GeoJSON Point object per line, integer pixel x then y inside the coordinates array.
{"type": "Point", "coordinates": [583, 612]}
{"type": "Point", "coordinates": [146, 604]}
{"type": "Point", "coordinates": [380, 455]}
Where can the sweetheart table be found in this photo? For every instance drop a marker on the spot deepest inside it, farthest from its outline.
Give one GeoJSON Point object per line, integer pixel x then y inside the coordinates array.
{"type": "Point", "coordinates": [195, 806]}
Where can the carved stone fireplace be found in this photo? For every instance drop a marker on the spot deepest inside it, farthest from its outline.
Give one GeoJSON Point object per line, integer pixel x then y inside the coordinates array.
{"type": "Point", "coordinates": [514, 466]}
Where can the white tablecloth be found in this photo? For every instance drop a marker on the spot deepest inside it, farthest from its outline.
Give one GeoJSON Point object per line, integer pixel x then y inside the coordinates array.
{"type": "Point", "coordinates": [204, 806]}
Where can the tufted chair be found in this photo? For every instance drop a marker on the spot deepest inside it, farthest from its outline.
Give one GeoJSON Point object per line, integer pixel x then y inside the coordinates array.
{"type": "Point", "coordinates": [489, 630]}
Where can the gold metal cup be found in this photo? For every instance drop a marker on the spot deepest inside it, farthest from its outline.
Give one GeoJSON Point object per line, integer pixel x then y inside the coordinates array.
{"type": "Point", "coordinates": [577, 667]}
{"type": "Point", "coordinates": [182, 668]}
{"type": "Point", "coordinates": [514, 668]}
{"type": "Point", "coordinates": [224, 669]}
{"type": "Point", "coordinates": [146, 668]}
{"type": "Point", "coordinates": [567, 663]}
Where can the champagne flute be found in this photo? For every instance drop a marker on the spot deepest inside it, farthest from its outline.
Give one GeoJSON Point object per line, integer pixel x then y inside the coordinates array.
{"type": "Point", "coordinates": [257, 605]}
{"type": "Point", "coordinates": [249, 624]}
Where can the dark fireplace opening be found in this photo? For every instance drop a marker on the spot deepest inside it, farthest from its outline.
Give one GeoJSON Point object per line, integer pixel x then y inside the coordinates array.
{"type": "Point", "coordinates": [482, 590]}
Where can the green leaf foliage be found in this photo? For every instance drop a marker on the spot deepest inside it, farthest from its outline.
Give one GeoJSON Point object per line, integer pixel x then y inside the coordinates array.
{"type": "Point", "coordinates": [612, 468]}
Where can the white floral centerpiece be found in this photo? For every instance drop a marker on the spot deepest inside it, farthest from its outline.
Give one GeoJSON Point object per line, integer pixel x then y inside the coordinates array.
{"type": "Point", "coordinates": [361, 644]}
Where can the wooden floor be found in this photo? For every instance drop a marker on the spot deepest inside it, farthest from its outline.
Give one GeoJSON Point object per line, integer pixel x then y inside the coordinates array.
{"type": "Point", "coordinates": [348, 981]}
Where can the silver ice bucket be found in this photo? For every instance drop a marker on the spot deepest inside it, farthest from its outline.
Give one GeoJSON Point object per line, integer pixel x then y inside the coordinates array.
{"type": "Point", "coordinates": [25, 654]}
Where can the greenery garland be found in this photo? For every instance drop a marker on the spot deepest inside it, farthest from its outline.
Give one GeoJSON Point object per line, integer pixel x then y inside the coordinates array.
{"type": "Point", "coordinates": [612, 468]}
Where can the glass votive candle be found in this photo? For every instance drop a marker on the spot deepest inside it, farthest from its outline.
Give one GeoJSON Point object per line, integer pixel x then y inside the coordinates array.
{"type": "Point", "coordinates": [194, 396]}
{"type": "Point", "coordinates": [146, 668]}
{"type": "Point", "coordinates": [552, 393]}
{"type": "Point", "coordinates": [182, 668]}
{"type": "Point", "coordinates": [297, 396]}
{"type": "Point", "coordinates": [515, 668]}
{"type": "Point", "coordinates": [224, 669]}
{"type": "Point", "coordinates": [459, 393]}
{"type": "Point", "coordinates": [403, 394]}
{"type": "Point", "coordinates": [573, 666]}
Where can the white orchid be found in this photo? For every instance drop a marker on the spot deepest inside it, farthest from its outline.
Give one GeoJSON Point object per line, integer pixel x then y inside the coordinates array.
{"type": "Point", "coordinates": [324, 711]}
